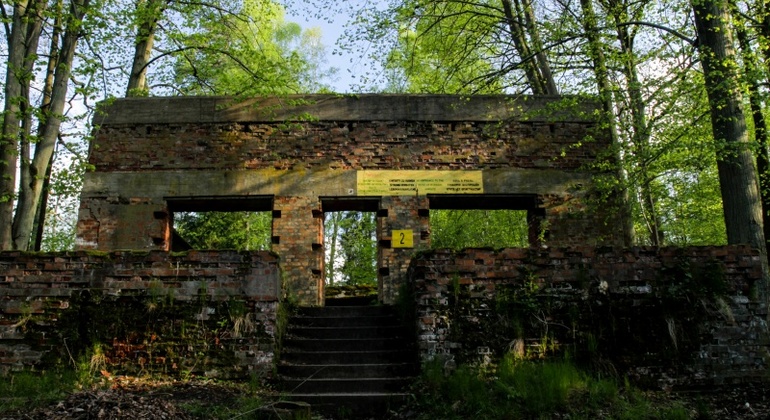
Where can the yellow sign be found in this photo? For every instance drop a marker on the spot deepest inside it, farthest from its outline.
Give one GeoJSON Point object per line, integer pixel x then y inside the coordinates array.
{"type": "Point", "coordinates": [401, 239]}
{"type": "Point", "coordinates": [419, 182]}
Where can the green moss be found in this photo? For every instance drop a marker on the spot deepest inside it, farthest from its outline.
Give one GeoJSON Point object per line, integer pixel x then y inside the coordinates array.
{"type": "Point", "coordinates": [98, 254]}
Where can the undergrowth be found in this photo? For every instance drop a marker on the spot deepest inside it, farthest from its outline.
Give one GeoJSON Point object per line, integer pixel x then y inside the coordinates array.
{"type": "Point", "coordinates": [518, 389]}
{"type": "Point", "coordinates": [29, 389]}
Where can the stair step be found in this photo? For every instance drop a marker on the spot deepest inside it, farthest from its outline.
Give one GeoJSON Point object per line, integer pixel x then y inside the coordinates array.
{"type": "Point", "coordinates": [393, 331]}
{"type": "Point", "coordinates": [348, 405]}
{"type": "Point", "coordinates": [346, 311]}
{"type": "Point", "coordinates": [344, 385]}
{"type": "Point", "coordinates": [379, 370]}
{"type": "Point", "coordinates": [347, 357]}
{"type": "Point", "coordinates": [352, 301]}
{"type": "Point", "coordinates": [333, 344]}
{"type": "Point", "coordinates": [345, 321]}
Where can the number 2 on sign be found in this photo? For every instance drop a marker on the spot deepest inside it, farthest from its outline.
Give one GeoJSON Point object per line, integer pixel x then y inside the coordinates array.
{"type": "Point", "coordinates": [402, 239]}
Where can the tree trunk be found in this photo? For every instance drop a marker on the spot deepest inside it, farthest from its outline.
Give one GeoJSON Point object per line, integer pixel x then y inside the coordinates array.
{"type": "Point", "coordinates": [596, 53]}
{"type": "Point", "coordinates": [520, 42]}
{"type": "Point", "coordinates": [40, 214]}
{"type": "Point", "coordinates": [760, 125]}
{"type": "Point", "coordinates": [735, 161]}
{"type": "Point", "coordinates": [26, 17]}
{"type": "Point", "coordinates": [549, 84]}
{"type": "Point", "coordinates": [148, 13]}
{"type": "Point", "coordinates": [737, 172]}
{"type": "Point", "coordinates": [640, 136]}
{"type": "Point", "coordinates": [333, 232]}
{"type": "Point", "coordinates": [25, 213]}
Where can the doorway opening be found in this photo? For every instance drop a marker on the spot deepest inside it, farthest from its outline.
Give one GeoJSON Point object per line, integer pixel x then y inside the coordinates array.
{"type": "Point", "coordinates": [219, 223]}
{"type": "Point", "coordinates": [483, 221]}
{"type": "Point", "coordinates": [350, 248]}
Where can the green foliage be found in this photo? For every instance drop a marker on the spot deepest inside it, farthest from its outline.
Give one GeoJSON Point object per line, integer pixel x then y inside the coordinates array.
{"type": "Point", "coordinates": [524, 389]}
{"type": "Point", "coordinates": [29, 389]}
{"type": "Point", "coordinates": [249, 52]}
{"type": "Point", "coordinates": [459, 229]}
{"type": "Point", "coordinates": [225, 230]}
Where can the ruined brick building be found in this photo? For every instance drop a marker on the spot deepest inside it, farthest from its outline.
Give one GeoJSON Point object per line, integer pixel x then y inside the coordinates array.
{"type": "Point", "coordinates": [218, 313]}
{"type": "Point", "coordinates": [298, 157]}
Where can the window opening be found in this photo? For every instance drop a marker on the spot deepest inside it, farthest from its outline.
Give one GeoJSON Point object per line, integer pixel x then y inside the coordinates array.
{"type": "Point", "coordinates": [474, 221]}
{"type": "Point", "coordinates": [459, 229]}
{"type": "Point", "coordinates": [243, 231]}
{"type": "Point", "coordinates": [240, 223]}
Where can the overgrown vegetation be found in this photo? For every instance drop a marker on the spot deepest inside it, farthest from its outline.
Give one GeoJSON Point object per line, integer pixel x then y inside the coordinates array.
{"type": "Point", "coordinates": [531, 389]}
{"type": "Point", "coordinates": [457, 229]}
{"type": "Point", "coordinates": [29, 389]}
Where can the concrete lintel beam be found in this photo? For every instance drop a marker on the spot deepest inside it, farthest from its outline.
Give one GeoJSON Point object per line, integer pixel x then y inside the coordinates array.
{"type": "Point", "coordinates": [369, 107]}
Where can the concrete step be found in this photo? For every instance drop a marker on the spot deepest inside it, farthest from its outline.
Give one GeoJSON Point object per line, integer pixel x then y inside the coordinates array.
{"type": "Point", "coordinates": [394, 331]}
{"type": "Point", "coordinates": [344, 385]}
{"type": "Point", "coordinates": [334, 344]}
{"type": "Point", "coordinates": [347, 405]}
{"type": "Point", "coordinates": [345, 321]}
{"type": "Point", "coordinates": [324, 311]}
{"type": "Point", "coordinates": [380, 370]}
{"type": "Point", "coordinates": [347, 357]}
{"type": "Point", "coordinates": [351, 301]}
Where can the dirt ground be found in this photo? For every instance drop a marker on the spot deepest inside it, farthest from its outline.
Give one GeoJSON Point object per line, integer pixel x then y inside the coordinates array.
{"type": "Point", "coordinates": [135, 399]}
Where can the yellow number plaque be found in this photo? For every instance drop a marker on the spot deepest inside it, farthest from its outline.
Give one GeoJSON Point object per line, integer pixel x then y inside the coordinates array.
{"type": "Point", "coordinates": [402, 239]}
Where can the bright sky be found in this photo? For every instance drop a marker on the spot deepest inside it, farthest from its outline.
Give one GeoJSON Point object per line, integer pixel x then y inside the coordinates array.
{"type": "Point", "coordinates": [332, 26]}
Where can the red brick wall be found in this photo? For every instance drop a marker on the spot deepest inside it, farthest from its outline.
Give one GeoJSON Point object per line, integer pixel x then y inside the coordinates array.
{"type": "Point", "coordinates": [599, 304]}
{"type": "Point", "coordinates": [148, 311]}
{"type": "Point", "coordinates": [347, 146]}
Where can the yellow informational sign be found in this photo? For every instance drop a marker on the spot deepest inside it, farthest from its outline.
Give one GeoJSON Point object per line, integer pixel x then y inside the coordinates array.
{"type": "Point", "coordinates": [402, 239]}
{"type": "Point", "coordinates": [419, 182]}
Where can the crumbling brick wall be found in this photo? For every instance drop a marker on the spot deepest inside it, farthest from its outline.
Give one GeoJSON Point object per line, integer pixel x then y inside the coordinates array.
{"type": "Point", "coordinates": [667, 317]}
{"type": "Point", "coordinates": [200, 313]}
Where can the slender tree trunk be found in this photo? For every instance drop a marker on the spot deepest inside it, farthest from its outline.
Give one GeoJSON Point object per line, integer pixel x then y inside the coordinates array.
{"type": "Point", "coordinates": [40, 214]}
{"type": "Point", "coordinates": [332, 233]}
{"type": "Point", "coordinates": [15, 78]}
{"type": "Point", "coordinates": [148, 12]}
{"type": "Point", "coordinates": [549, 84]}
{"type": "Point", "coordinates": [590, 26]}
{"type": "Point", "coordinates": [640, 136]}
{"type": "Point", "coordinates": [520, 42]}
{"type": "Point", "coordinates": [25, 214]}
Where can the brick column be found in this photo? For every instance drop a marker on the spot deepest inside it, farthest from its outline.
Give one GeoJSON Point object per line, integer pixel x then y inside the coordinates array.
{"type": "Point", "coordinates": [399, 213]}
{"type": "Point", "coordinates": [298, 240]}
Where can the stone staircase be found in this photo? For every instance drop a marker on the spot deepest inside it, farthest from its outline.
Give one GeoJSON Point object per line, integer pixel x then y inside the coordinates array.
{"type": "Point", "coordinates": [347, 360]}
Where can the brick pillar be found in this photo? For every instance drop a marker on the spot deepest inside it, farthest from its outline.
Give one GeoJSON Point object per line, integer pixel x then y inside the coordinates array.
{"type": "Point", "coordinates": [399, 213]}
{"type": "Point", "coordinates": [298, 240]}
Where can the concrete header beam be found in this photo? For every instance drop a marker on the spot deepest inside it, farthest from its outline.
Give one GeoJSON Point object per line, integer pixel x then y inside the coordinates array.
{"type": "Point", "coordinates": [322, 183]}
{"type": "Point", "coordinates": [212, 109]}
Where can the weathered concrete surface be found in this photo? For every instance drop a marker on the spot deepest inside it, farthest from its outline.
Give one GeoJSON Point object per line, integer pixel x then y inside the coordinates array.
{"type": "Point", "coordinates": [369, 107]}
{"type": "Point", "coordinates": [318, 183]}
